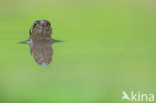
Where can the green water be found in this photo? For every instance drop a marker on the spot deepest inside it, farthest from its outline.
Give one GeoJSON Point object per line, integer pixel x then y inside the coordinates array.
{"type": "Point", "coordinates": [109, 47]}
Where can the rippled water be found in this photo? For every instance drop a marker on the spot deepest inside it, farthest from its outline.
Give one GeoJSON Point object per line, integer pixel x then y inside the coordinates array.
{"type": "Point", "coordinates": [109, 47]}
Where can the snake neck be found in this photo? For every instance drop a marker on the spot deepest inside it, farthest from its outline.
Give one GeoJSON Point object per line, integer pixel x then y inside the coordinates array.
{"type": "Point", "coordinates": [40, 33]}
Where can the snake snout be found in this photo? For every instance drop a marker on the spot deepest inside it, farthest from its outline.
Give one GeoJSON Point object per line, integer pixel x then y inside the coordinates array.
{"type": "Point", "coordinates": [43, 30]}
{"type": "Point", "coordinates": [43, 22]}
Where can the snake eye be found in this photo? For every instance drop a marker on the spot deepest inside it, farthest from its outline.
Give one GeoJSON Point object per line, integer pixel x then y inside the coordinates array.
{"type": "Point", "coordinates": [35, 23]}
{"type": "Point", "coordinates": [49, 24]}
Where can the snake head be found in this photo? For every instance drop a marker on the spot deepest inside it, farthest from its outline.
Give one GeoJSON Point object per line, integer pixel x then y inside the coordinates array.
{"type": "Point", "coordinates": [41, 29]}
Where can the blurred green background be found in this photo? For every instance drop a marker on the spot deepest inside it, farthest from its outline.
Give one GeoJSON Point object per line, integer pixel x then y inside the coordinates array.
{"type": "Point", "coordinates": [109, 47]}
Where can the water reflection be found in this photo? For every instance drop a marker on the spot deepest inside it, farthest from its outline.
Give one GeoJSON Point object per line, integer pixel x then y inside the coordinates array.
{"type": "Point", "coordinates": [41, 50]}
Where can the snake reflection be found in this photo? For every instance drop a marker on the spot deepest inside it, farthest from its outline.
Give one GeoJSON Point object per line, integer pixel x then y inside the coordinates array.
{"type": "Point", "coordinates": [40, 42]}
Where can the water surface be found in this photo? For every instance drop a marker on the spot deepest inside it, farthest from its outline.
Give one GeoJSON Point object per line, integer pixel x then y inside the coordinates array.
{"type": "Point", "coordinates": [109, 47]}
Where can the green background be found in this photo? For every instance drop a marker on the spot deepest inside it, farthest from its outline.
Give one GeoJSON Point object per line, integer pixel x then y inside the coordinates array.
{"type": "Point", "coordinates": [109, 47]}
